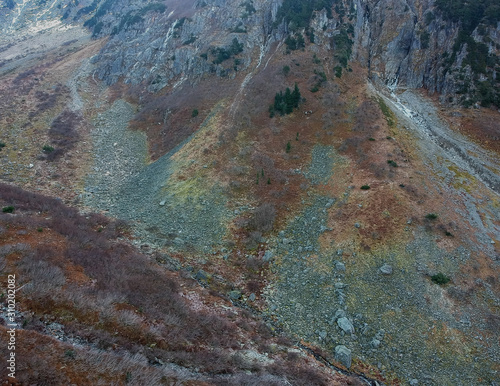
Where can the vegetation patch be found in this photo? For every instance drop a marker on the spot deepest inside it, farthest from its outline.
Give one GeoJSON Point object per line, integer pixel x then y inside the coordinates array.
{"type": "Point", "coordinates": [295, 42]}
{"type": "Point", "coordinates": [285, 103]}
{"type": "Point", "coordinates": [389, 115]}
{"type": "Point", "coordinates": [343, 45]}
{"type": "Point", "coordinates": [222, 54]}
{"type": "Point", "coordinates": [298, 13]}
{"type": "Point", "coordinates": [192, 39]}
{"type": "Point", "coordinates": [249, 9]}
{"type": "Point", "coordinates": [8, 209]}
{"type": "Point", "coordinates": [471, 16]}
{"type": "Point", "coordinates": [440, 279]}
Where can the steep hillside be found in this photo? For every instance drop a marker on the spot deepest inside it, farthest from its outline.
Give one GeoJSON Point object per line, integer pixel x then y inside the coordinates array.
{"type": "Point", "coordinates": [94, 311]}
{"type": "Point", "coordinates": [447, 46]}
{"type": "Point", "coordinates": [327, 168]}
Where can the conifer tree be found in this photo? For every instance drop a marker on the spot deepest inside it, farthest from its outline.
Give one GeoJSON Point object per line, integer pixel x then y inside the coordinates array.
{"type": "Point", "coordinates": [296, 96]}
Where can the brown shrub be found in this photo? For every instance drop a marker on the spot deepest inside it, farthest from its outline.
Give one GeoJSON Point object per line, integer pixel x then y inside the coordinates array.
{"type": "Point", "coordinates": [264, 216]}
{"type": "Point", "coordinates": [63, 133]}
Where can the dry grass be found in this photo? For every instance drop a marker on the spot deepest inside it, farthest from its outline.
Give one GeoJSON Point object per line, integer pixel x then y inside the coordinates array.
{"type": "Point", "coordinates": [129, 313]}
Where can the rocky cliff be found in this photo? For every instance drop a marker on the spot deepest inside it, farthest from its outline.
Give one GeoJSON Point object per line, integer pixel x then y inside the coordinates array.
{"type": "Point", "coordinates": [414, 44]}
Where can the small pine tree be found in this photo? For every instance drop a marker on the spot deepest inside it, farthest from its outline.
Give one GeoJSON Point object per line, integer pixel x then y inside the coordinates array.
{"type": "Point", "coordinates": [269, 181]}
{"type": "Point", "coordinates": [289, 103]}
{"type": "Point", "coordinates": [262, 172]}
{"type": "Point", "coordinates": [279, 103]}
{"type": "Point", "coordinates": [236, 47]}
{"type": "Point", "coordinates": [288, 147]}
{"type": "Point", "coordinates": [300, 41]}
{"type": "Point", "coordinates": [440, 278]}
{"type": "Point", "coordinates": [296, 96]}
{"type": "Point", "coordinates": [297, 137]}
{"type": "Point", "coordinates": [271, 111]}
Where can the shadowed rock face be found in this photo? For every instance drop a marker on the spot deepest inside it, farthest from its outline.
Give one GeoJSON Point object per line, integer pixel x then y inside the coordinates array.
{"type": "Point", "coordinates": [410, 44]}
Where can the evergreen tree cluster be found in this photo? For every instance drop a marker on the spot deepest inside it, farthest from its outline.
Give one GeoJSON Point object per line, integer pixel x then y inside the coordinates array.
{"type": "Point", "coordinates": [474, 15]}
{"type": "Point", "coordinates": [343, 46]}
{"type": "Point", "coordinates": [298, 13]}
{"type": "Point", "coordinates": [295, 42]}
{"type": "Point", "coordinates": [222, 54]}
{"type": "Point", "coordinates": [285, 103]}
{"type": "Point", "coordinates": [470, 13]}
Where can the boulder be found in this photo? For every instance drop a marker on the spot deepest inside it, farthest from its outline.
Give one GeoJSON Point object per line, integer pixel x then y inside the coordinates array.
{"type": "Point", "coordinates": [343, 355]}
{"type": "Point", "coordinates": [386, 269]}
{"type": "Point", "coordinates": [346, 325]}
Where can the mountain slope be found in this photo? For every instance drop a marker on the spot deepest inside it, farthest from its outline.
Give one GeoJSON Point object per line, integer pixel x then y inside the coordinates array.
{"type": "Point", "coordinates": [357, 212]}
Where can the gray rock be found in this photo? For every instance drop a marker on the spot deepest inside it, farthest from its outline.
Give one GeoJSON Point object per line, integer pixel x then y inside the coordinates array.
{"type": "Point", "coordinates": [414, 382]}
{"type": "Point", "coordinates": [340, 285]}
{"type": "Point", "coordinates": [340, 266]}
{"type": "Point", "coordinates": [252, 297]}
{"type": "Point", "coordinates": [201, 275]}
{"type": "Point", "coordinates": [380, 335]}
{"type": "Point", "coordinates": [268, 256]}
{"type": "Point", "coordinates": [178, 241]}
{"type": "Point", "coordinates": [386, 269]}
{"type": "Point", "coordinates": [375, 343]}
{"type": "Point", "coordinates": [357, 225]}
{"type": "Point", "coordinates": [162, 203]}
{"type": "Point", "coordinates": [340, 314]}
{"type": "Point", "coordinates": [235, 295]}
{"type": "Point", "coordinates": [346, 325]}
{"type": "Point", "coordinates": [343, 355]}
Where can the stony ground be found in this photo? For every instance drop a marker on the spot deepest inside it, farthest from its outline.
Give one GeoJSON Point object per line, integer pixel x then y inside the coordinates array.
{"type": "Point", "coordinates": [125, 185]}
{"type": "Point", "coordinates": [335, 296]}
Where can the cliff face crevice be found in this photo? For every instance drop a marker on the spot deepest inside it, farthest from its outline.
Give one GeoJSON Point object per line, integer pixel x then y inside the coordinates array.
{"type": "Point", "coordinates": [411, 44]}
{"type": "Point", "coordinates": [390, 40]}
